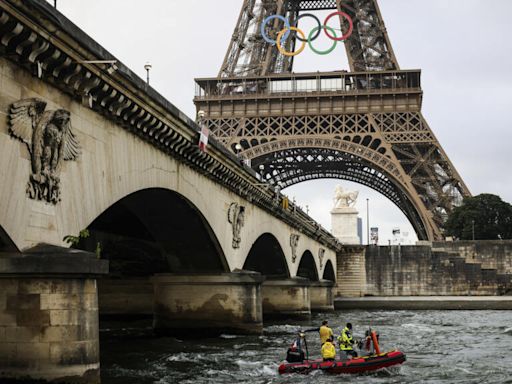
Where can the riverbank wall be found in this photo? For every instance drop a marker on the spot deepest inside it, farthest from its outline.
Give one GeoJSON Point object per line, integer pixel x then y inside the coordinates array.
{"type": "Point", "coordinates": [479, 268]}
{"type": "Point", "coordinates": [425, 303]}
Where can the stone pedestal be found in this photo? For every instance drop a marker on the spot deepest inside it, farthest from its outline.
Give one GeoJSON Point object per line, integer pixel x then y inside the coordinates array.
{"type": "Point", "coordinates": [286, 298]}
{"type": "Point", "coordinates": [322, 299]}
{"type": "Point", "coordinates": [126, 297]}
{"type": "Point", "coordinates": [344, 225]}
{"type": "Point", "coordinates": [49, 318]}
{"type": "Point", "coordinates": [193, 304]}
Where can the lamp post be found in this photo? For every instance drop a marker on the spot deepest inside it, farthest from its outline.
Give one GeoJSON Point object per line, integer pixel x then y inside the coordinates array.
{"type": "Point", "coordinates": [147, 67]}
{"type": "Point", "coordinates": [368, 221]}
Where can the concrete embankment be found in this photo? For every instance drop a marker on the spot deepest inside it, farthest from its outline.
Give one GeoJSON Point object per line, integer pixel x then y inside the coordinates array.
{"type": "Point", "coordinates": [426, 302]}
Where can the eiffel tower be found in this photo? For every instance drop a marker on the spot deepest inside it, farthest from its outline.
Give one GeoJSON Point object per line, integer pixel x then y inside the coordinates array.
{"type": "Point", "coordinates": [364, 125]}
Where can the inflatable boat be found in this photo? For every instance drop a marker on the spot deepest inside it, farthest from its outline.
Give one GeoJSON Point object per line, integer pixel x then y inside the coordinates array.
{"type": "Point", "coordinates": [354, 365]}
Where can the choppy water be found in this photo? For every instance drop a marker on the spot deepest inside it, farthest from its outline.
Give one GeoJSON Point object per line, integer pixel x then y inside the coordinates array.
{"type": "Point", "coordinates": [441, 347]}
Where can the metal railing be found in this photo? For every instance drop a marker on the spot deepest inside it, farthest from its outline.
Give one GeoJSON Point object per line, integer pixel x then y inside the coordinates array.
{"type": "Point", "coordinates": [309, 83]}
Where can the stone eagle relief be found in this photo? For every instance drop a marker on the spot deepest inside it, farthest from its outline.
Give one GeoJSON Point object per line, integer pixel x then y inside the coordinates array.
{"type": "Point", "coordinates": [49, 139]}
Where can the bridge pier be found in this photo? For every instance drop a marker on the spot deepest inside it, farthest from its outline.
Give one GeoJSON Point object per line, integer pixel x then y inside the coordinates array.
{"type": "Point", "coordinates": [322, 299]}
{"type": "Point", "coordinates": [351, 265]}
{"type": "Point", "coordinates": [125, 297]}
{"type": "Point", "coordinates": [200, 303]}
{"type": "Point", "coordinates": [286, 298]}
{"type": "Point", "coordinates": [49, 316]}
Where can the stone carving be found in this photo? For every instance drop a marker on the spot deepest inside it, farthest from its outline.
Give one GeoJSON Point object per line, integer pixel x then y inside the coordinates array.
{"type": "Point", "coordinates": [294, 242]}
{"type": "Point", "coordinates": [236, 216]}
{"type": "Point", "coordinates": [321, 254]}
{"type": "Point", "coordinates": [49, 139]}
{"type": "Point", "coordinates": [344, 199]}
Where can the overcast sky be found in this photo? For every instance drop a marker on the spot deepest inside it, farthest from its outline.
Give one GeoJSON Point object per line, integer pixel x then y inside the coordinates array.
{"type": "Point", "coordinates": [462, 46]}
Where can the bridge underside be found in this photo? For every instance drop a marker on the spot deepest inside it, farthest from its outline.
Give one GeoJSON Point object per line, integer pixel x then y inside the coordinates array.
{"type": "Point", "coordinates": [267, 257]}
{"type": "Point", "coordinates": [329, 272]}
{"type": "Point", "coordinates": [307, 267]}
{"type": "Point", "coordinates": [155, 231]}
{"type": "Point", "coordinates": [293, 166]}
{"type": "Point", "coordinates": [6, 244]}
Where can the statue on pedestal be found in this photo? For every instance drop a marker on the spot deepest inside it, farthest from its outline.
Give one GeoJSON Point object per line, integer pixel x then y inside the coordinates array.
{"type": "Point", "coordinates": [344, 199]}
{"type": "Point", "coordinates": [344, 216]}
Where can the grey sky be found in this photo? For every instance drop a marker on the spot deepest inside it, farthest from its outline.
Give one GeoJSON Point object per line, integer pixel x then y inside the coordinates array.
{"type": "Point", "coordinates": [462, 46]}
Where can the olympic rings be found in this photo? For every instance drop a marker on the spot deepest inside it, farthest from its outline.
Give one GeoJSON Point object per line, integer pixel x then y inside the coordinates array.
{"type": "Point", "coordinates": [317, 29]}
{"type": "Point", "coordinates": [313, 35]}
{"type": "Point", "coordinates": [296, 24]}
{"type": "Point", "coordinates": [265, 22]}
{"type": "Point", "coordinates": [350, 26]}
{"type": "Point", "coordinates": [282, 50]}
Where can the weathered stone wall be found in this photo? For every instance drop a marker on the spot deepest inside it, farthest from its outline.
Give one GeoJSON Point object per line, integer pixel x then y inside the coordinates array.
{"type": "Point", "coordinates": [419, 270]}
{"type": "Point", "coordinates": [491, 254]}
{"type": "Point", "coordinates": [321, 296]}
{"type": "Point", "coordinates": [127, 296]}
{"type": "Point", "coordinates": [49, 329]}
{"type": "Point", "coordinates": [286, 298]}
{"type": "Point", "coordinates": [351, 272]}
{"type": "Point", "coordinates": [229, 302]}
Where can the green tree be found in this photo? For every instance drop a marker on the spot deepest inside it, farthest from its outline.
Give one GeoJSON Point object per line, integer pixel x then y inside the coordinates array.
{"type": "Point", "coordinates": [487, 214]}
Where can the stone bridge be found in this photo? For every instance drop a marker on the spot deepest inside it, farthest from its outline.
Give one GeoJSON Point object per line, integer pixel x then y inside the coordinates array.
{"type": "Point", "coordinates": [192, 238]}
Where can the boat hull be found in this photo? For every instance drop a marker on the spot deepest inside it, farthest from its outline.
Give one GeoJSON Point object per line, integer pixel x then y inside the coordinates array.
{"type": "Point", "coordinates": [354, 365]}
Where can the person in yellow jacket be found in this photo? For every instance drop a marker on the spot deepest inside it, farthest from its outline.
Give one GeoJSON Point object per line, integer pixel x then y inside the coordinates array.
{"type": "Point", "coordinates": [328, 350]}
{"type": "Point", "coordinates": [346, 341]}
{"type": "Point", "coordinates": [325, 332]}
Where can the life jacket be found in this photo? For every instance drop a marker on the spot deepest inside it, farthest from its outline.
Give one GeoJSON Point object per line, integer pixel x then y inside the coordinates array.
{"type": "Point", "coordinates": [328, 350]}
{"type": "Point", "coordinates": [345, 340]}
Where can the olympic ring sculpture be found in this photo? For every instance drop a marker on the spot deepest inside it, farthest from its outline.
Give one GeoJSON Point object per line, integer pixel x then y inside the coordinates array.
{"type": "Point", "coordinates": [301, 36]}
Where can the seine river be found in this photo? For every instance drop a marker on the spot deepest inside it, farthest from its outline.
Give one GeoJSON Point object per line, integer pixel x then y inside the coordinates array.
{"type": "Point", "coordinates": [441, 347]}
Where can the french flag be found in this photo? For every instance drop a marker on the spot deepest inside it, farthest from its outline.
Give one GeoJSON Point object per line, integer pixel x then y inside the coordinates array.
{"type": "Point", "coordinates": [203, 138]}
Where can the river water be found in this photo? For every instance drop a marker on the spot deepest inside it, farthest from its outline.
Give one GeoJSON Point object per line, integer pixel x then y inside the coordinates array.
{"type": "Point", "coordinates": [441, 347]}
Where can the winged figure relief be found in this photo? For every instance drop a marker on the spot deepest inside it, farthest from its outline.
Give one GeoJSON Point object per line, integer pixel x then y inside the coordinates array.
{"type": "Point", "coordinates": [49, 138]}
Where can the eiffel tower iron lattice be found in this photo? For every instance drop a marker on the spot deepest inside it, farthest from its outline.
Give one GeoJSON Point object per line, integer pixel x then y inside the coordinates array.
{"type": "Point", "coordinates": [364, 125]}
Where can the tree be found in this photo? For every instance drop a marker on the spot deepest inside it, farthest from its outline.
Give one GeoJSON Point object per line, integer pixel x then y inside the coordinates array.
{"type": "Point", "coordinates": [486, 214]}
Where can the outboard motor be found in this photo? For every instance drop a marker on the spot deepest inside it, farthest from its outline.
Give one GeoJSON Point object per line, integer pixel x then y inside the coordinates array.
{"type": "Point", "coordinates": [294, 355]}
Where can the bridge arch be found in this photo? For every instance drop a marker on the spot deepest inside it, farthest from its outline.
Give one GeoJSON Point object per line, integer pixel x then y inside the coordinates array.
{"type": "Point", "coordinates": [329, 272]}
{"type": "Point", "coordinates": [291, 161]}
{"type": "Point", "coordinates": [155, 230]}
{"type": "Point", "coordinates": [267, 257]}
{"type": "Point", "coordinates": [307, 266]}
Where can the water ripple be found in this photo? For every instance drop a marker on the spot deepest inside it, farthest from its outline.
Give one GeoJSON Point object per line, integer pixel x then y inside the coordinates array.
{"type": "Point", "coordinates": [441, 347]}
